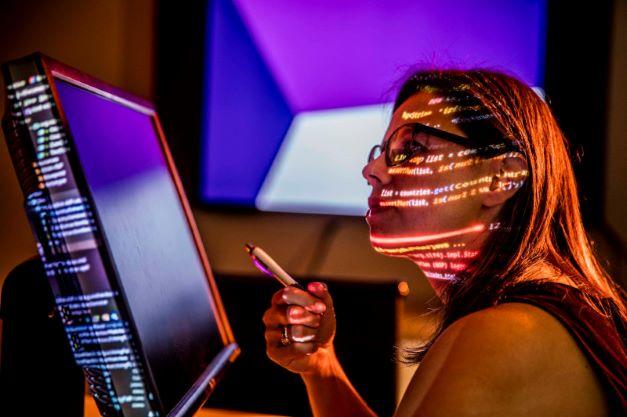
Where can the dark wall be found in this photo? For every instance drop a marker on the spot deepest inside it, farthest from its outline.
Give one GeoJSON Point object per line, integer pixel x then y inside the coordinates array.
{"type": "Point", "coordinates": [576, 83]}
{"type": "Point", "coordinates": [179, 68]}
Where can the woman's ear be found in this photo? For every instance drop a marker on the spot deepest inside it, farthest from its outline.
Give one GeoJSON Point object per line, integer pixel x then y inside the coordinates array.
{"type": "Point", "coordinates": [508, 175]}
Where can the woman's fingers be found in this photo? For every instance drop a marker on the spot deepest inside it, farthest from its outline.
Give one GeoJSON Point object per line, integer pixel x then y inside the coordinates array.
{"type": "Point", "coordinates": [320, 290]}
{"type": "Point", "coordinates": [297, 334]}
{"type": "Point", "coordinates": [308, 318]}
{"type": "Point", "coordinates": [291, 314]}
{"type": "Point", "coordinates": [294, 349]}
{"type": "Point", "coordinates": [293, 295]}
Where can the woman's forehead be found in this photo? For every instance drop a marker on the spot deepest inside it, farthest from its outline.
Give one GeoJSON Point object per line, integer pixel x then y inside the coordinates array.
{"type": "Point", "coordinates": [428, 108]}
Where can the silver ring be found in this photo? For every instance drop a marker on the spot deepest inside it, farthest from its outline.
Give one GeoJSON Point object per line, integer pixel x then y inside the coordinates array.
{"type": "Point", "coordinates": [285, 340]}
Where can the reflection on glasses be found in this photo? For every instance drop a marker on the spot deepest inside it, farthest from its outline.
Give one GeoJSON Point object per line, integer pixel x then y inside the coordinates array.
{"type": "Point", "coordinates": [406, 144]}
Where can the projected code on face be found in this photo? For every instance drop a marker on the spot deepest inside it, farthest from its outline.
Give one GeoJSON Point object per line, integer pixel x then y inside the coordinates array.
{"type": "Point", "coordinates": [445, 172]}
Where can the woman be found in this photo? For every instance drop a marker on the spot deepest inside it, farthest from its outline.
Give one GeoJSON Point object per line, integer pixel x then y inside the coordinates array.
{"type": "Point", "coordinates": [473, 184]}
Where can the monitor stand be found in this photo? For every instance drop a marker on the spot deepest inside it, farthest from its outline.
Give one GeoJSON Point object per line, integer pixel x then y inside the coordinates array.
{"type": "Point", "coordinates": [38, 375]}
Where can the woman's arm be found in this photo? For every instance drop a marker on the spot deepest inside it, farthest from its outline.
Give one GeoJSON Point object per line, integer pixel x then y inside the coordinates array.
{"type": "Point", "coordinates": [330, 392]}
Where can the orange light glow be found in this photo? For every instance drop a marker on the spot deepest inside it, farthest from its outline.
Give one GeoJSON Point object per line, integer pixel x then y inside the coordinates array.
{"type": "Point", "coordinates": [425, 238]}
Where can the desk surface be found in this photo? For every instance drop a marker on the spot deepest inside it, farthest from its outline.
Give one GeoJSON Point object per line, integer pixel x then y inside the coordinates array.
{"type": "Point", "coordinates": [92, 411]}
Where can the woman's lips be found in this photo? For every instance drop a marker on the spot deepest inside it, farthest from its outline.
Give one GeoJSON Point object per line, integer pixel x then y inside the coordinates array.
{"type": "Point", "coordinates": [375, 206]}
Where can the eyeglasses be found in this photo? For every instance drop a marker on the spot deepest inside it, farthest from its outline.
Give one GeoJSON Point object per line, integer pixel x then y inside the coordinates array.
{"type": "Point", "coordinates": [403, 144]}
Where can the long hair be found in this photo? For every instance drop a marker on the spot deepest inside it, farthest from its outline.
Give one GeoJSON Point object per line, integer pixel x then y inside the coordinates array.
{"type": "Point", "coordinates": [543, 223]}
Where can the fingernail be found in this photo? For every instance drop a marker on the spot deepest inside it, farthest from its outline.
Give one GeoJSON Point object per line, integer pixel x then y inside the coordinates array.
{"type": "Point", "coordinates": [296, 312]}
{"type": "Point", "coordinates": [320, 306]}
{"type": "Point", "coordinates": [317, 287]}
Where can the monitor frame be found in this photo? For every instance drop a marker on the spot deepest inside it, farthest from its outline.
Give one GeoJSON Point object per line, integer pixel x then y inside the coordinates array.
{"type": "Point", "coordinates": [52, 69]}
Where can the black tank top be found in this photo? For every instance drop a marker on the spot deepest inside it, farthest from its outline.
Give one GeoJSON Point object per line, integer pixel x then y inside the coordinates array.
{"type": "Point", "coordinates": [601, 338]}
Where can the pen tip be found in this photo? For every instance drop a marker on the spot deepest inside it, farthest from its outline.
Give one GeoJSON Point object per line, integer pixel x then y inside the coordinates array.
{"type": "Point", "coordinates": [248, 247]}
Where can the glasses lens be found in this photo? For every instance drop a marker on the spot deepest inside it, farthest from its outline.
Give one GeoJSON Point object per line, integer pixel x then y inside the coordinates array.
{"type": "Point", "coordinates": [404, 145]}
{"type": "Point", "coordinates": [375, 152]}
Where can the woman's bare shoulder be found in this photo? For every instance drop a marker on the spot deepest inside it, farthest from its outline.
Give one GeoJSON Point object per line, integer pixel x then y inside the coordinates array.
{"type": "Point", "coordinates": [512, 359]}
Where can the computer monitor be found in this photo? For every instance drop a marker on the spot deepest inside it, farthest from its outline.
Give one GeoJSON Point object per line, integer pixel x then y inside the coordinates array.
{"type": "Point", "coordinates": [119, 245]}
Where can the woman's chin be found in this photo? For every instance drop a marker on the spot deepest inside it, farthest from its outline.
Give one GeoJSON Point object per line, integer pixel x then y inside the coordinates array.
{"type": "Point", "coordinates": [377, 228]}
{"type": "Point", "coordinates": [381, 218]}
{"type": "Point", "coordinates": [385, 229]}
{"type": "Point", "coordinates": [387, 225]}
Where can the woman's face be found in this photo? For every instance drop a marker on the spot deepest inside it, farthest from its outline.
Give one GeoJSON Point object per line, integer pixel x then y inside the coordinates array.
{"type": "Point", "coordinates": [431, 208]}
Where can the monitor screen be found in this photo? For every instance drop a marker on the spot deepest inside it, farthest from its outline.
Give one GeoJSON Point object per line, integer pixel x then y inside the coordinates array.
{"type": "Point", "coordinates": [118, 242]}
{"type": "Point", "coordinates": [296, 94]}
{"type": "Point", "coordinates": [148, 236]}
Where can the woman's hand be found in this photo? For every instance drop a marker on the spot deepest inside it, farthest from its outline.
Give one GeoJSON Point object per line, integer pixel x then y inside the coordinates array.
{"type": "Point", "coordinates": [310, 322]}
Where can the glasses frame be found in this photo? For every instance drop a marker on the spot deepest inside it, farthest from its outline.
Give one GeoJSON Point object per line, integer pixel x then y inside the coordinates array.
{"type": "Point", "coordinates": [491, 149]}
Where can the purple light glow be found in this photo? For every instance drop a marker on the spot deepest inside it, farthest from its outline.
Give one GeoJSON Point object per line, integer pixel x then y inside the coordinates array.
{"type": "Point", "coordinates": [328, 54]}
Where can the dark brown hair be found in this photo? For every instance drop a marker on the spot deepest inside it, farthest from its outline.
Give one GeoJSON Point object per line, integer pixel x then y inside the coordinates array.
{"type": "Point", "coordinates": [542, 221]}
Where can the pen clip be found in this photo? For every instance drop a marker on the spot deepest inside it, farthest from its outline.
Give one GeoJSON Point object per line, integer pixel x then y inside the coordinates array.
{"type": "Point", "coordinates": [261, 266]}
{"type": "Point", "coordinates": [258, 262]}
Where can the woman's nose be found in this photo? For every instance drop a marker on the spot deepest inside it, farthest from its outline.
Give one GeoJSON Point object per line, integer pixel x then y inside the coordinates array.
{"type": "Point", "coordinates": [376, 172]}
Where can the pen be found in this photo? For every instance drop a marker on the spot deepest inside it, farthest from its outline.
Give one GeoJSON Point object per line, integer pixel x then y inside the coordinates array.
{"type": "Point", "coordinates": [268, 266]}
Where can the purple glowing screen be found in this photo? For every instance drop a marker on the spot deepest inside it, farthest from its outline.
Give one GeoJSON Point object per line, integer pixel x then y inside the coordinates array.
{"type": "Point", "coordinates": [278, 73]}
{"type": "Point", "coordinates": [148, 237]}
